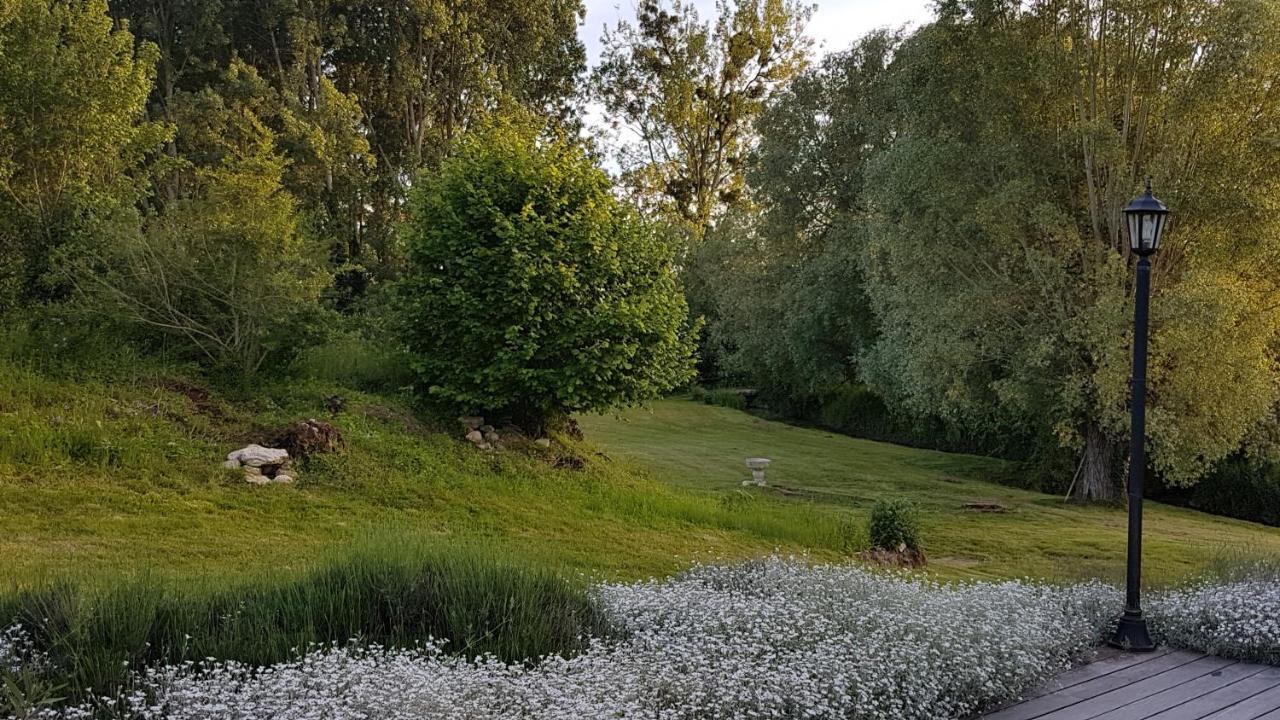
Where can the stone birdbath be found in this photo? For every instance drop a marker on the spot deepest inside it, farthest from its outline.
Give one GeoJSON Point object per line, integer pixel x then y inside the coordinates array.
{"type": "Point", "coordinates": [757, 466]}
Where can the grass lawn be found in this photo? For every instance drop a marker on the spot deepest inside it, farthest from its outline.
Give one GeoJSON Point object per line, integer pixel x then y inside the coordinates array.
{"type": "Point", "coordinates": [702, 447]}
{"type": "Point", "coordinates": [98, 478]}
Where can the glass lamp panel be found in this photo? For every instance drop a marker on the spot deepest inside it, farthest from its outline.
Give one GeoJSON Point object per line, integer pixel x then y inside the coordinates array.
{"type": "Point", "coordinates": [1150, 226]}
{"type": "Point", "coordinates": [1135, 225]}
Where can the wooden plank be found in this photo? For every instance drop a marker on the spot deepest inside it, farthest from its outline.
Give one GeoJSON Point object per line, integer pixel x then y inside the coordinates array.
{"type": "Point", "coordinates": [1264, 703]}
{"type": "Point", "coordinates": [1143, 708]}
{"type": "Point", "coordinates": [1095, 686]}
{"type": "Point", "coordinates": [1109, 663]}
{"type": "Point", "coordinates": [1143, 688]}
{"type": "Point", "coordinates": [1224, 698]}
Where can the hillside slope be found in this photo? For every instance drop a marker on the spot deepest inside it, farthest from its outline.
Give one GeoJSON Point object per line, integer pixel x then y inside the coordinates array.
{"type": "Point", "coordinates": [702, 447]}
{"type": "Point", "coordinates": [100, 477]}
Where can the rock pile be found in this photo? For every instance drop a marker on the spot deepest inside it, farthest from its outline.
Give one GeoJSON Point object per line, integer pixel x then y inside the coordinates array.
{"type": "Point", "coordinates": [484, 437]}
{"type": "Point", "coordinates": [261, 465]}
{"type": "Point", "coordinates": [487, 437]}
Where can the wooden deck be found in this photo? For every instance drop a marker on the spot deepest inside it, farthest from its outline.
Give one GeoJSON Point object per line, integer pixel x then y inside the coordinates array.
{"type": "Point", "coordinates": [1164, 685]}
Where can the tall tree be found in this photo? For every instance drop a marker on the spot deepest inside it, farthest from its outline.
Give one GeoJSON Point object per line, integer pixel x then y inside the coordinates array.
{"type": "Point", "coordinates": [998, 266]}
{"type": "Point", "coordinates": [688, 91]}
{"type": "Point", "coordinates": [780, 282]}
{"type": "Point", "coordinates": [72, 92]}
{"type": "Point", "coordinates": [425, 70]}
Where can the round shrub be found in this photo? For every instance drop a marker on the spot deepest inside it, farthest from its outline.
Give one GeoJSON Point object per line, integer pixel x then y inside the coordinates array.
{"type": "Point", "coordinates": [893, 525]}
{"type": "Point", "coordinates": [534, 292]}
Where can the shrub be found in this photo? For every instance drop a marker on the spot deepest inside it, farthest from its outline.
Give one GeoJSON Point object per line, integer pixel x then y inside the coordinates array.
{"type": "Point", "coordinates": [395, 596]}
{"type": "Point", "coordinates": [726, 398]}
{"type": "Point", "coordinates": [533, 291]}
{"type": "Point", "coordinates": [894, 524]}
{"type": "Point", "coordinates": [855, 410]}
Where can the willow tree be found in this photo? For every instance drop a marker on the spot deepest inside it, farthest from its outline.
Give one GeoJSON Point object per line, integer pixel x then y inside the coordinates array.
{"type": "Point", "coordinates": [997, 264]}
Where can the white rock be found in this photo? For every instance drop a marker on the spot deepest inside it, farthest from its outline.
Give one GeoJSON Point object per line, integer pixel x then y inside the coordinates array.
{"type": "Point", "coordinates": [543, 442]}
{"type": "Point", "coordinates": [476, 437]}
{"type": "Point", "coordinates": [282, 478]}
{"type": "Point", "coordinates": [251, 470]}
{"type": "Point", "coordinates": [257, 479]}
{"type": "Point", "coordinates": [232, 464]}
{"type": "Point", "coordinates": [257, 456]}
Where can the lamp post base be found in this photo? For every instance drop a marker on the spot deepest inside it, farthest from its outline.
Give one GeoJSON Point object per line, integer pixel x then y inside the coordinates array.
{"type": "Point", "coordinates": [1131, 633]}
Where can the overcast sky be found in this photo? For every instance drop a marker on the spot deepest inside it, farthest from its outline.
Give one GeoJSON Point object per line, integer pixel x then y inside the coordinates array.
{"type": "Point", "coordinates": [835, 25]}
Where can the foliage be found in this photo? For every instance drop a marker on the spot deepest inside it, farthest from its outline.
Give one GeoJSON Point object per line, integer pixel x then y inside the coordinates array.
{"type": "Point", "coordinates": [724, 397]}
{"type": "Point", "coordinates": [690, 91]}
{"type": "Point", "coordinates": [389, 593]}
{"type": "Point", "coordinates": [72, 88]}
{"type": "Point", "coordinates": [781, 284]}
{"type": "Point", "coordinates": [969, 266]}
{"type": "Point", "coordinates": [364, 93]}
{"type": "Point", "coordinates": [1007, 225]}
{"type": "Point", "coordinates": [894, 524]}
{"type": "Point", "coordinates": [534, 292]}
{"type": "Point", "coordinates": [1239, 487]}
{"type": "Point", "coordinates": [221, 263]}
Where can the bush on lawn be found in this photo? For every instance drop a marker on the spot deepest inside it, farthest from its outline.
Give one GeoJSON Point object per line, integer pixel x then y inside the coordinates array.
{"type": "Point", "coordinates": [894, 524]}
{"type": "Point", "coordinates": [534, 292]}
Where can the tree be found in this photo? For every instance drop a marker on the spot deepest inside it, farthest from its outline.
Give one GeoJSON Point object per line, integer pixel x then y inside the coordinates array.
{"type": "Point", "coordinates": [689, 93]}
{"type": "Point", "coordinates": [425, 71]}
{"type": "Point", "coordinates": [533, 291]}
{"type": "Point", "coordinates": [221, 265]}
{"type": "Point", "coordinates": [997, 267]}
{"type": "Point", "coordinates": [72, 147]}
{"type": "Point", "coordinates": [780, 281]}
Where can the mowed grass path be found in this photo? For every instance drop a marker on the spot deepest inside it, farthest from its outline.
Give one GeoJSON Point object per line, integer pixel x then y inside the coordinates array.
{"type": "Point", "coordinates": [703, 447]}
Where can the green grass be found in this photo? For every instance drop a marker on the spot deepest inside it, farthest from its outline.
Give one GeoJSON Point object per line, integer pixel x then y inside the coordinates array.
{"type": "Point", "coordinates": [102, 478]}
{"type": "Point", "coordinates": [702, 448]}
{"type": "Point", "coordinates": [106, 478]}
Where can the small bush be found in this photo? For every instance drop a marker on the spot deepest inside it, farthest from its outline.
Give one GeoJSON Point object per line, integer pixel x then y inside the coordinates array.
{"type": "Point", "coordinates": [893, 524]}
{"type": "Point", "coordinates": [726, 398]}
{"type": "Point", "coordinates": [353, 361]}
{"type": "Point", "coordinates": [390, 595]}
{"type": "Point", "coordinates": [855, 410]}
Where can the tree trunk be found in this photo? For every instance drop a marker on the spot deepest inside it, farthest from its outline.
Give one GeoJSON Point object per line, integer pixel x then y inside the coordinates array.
{"type": "Point", "coordinates": [1097, 472]}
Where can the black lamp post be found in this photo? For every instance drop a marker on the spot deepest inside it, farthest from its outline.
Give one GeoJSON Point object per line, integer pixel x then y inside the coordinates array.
{"type": "Point", "coordinates": [1146, 218]}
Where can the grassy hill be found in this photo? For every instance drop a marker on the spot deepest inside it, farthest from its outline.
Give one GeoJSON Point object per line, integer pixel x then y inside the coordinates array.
{"type": "Point", "coordinates": [702, 447]}
{"type": "Point", "coordinates": [100, 477]}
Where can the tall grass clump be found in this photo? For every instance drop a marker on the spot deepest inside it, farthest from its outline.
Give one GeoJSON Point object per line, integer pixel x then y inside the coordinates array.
{"type": "Point", "coordinates": [404, 595]}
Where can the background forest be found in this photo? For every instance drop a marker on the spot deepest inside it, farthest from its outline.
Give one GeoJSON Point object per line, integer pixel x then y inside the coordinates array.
{"type": "Point", "coordinates": [916, 239]}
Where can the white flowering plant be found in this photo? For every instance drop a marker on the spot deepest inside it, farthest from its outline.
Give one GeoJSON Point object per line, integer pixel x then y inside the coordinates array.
{"type": "Point", "coordinates": [772, 638]}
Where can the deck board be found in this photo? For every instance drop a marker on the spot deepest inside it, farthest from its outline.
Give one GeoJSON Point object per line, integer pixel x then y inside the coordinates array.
{"type": "Point", "coordinates": [1166, 685]}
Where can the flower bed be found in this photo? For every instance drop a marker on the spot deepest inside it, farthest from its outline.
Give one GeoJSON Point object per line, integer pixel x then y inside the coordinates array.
{"type": "Point", "coordinates": [768, 639]}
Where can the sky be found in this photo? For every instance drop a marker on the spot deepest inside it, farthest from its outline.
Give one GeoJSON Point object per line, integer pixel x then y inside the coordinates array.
{"type": "Point", "coordinates": [835, 25]}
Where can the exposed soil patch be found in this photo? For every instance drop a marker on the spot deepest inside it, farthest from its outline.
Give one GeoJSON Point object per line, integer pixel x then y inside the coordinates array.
{"type": "Point", "coordinates": [900, 558]}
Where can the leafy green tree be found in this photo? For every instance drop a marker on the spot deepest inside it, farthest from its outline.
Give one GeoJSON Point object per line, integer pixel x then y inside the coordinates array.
{"type": "Point", "coordinates": [533, 291]}
{"type": "Point", "coordinates": [425, 71]}
{"type": "Point", "coordinates": [222, 264]}
{"type": "Point", "coordinates": [997, 265]}
{"type": "Point", "coordinates": [689, 92]}
{"type": "Point", "coordinates": [72, 92]}
{"type": "Point", "coordinates": [780, 281]}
